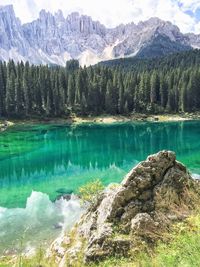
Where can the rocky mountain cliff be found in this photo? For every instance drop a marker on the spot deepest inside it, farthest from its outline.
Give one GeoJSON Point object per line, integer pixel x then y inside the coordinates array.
{"type": "Point", "coordinates": [154, 195]}
{"type": "Point", "coordinates": [54, 39]}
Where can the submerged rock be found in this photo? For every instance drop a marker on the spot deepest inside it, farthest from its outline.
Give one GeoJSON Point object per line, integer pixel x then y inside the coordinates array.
{"type": "Point", "coordinates": [64, 196]}
{"type": "Point", "coordinates": [147, 201]}
{"type": "Point", "coordinates": [64, 191]}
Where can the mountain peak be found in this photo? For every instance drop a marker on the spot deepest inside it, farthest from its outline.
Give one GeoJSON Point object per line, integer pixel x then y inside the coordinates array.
{"type": "Point", "coordinates": [157, 22]}
{"type": "Point", "coordinates": [7, 8]}
{"type": "Point", "coordinates": [44, 14]}
{"type": "Point", "coordinates": [74, 15]}
{"type": "Point", "coordinates": [59, 14]}
{"type": "Point", "coordinates": [54, 39]}
{"type": "Point", "coordinates": [154, 20]}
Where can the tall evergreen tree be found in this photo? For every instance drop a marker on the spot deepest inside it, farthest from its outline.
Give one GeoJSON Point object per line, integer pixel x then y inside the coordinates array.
{"type": "Point", "coordinates": [169, 84]}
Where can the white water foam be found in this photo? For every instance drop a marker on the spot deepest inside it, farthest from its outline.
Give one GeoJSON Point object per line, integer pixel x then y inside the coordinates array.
{"type": "Point", "coordinates": [38, 223]}
{"type": "Point", "coordinates": [196, 176]}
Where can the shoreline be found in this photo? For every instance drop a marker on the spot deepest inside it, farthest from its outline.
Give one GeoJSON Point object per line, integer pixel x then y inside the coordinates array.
{"type": "Point", "coordinates": [107, 119]}
{"type": "Point", "coordinates": [102, 119]}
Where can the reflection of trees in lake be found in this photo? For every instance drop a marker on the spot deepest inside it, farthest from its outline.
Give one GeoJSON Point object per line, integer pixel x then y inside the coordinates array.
{"type": "Point", "coordinates": [98, 146]}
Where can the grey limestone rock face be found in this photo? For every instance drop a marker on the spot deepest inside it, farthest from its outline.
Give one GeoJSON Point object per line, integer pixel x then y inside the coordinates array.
{"type": "Point", "coordinates": [139, 206]}
{"type": "Point", "coordinates": [54, 39]}
{"type": "Point", "coordinates": [142, 224]}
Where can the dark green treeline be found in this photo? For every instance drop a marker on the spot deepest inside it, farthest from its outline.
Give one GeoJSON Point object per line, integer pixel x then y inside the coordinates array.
{"type": "Point", "coordinates": [28, 90]}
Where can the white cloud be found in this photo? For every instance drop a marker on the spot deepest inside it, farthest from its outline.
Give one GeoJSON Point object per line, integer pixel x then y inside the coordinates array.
{"type": "Point", "coordinates": [166, 10]}
{"type": "Point", "coordinates": [114, 12]}
{"type": "Point", "coordinates": [192, 5]}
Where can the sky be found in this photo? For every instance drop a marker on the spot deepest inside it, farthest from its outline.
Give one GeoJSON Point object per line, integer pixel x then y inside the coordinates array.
{"type": "Point", "coordinates": [184, 13]}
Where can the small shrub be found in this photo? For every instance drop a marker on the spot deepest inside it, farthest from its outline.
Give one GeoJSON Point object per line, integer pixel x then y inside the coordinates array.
{"type": "Point", "coordinates": [90, 191]}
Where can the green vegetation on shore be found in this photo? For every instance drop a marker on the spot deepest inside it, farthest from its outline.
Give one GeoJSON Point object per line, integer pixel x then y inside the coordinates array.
{"type": "Point", "coordinates": [180, 248]}
{"type": "Point", "coordinates": [89, 191]}
{"type": "Point", "coordinates": [31, 91]}
{"type": "Point", "coordinates": [179, 245]}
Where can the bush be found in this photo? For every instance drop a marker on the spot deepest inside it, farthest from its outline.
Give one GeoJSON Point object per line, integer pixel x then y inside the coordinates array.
{"type": "Point", "coordinates": [90, 191]}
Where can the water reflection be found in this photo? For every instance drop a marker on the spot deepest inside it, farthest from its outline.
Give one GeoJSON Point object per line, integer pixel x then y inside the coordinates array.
{"type": "Point", "coordinates": [44, 152]}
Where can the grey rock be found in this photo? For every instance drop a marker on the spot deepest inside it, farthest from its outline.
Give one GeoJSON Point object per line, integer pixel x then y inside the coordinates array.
{"type": "Point", "coordinates": [146, 195]}
{"type": "Point", "coordinates": [129, 204]}
{"type": "Point", "coordinates": [65, 196]}
{"type": "Point", "coordinates": [142, 223]}
{"type": "Point", "coordinates": [131, 210]}
{"type": "Point", "coordinates": [116, 247]}
{"type": "Point", "coordinates": [136, 208]}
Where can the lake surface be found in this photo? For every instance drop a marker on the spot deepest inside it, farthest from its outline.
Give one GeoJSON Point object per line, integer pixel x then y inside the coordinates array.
{"type": "Point", "coordinates": [38, 163]}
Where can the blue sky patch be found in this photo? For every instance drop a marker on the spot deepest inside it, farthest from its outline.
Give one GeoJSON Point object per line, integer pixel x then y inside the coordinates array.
{"type": "Point", "coordinates": [190, 13]}
{"type": "Point", "coordinates": [197, 14]}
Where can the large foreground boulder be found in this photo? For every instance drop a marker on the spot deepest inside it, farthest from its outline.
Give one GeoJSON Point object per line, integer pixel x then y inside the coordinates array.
{"type": "Point", "coordinates": [153, 195]}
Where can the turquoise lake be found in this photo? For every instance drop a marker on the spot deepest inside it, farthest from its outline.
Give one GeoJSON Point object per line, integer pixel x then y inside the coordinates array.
{"type": "Point", "coordinates": [38, 163]}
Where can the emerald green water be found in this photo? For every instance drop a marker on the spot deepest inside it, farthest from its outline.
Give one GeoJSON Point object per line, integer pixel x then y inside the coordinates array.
{"type": "Point", "coordinates": [52, 159]}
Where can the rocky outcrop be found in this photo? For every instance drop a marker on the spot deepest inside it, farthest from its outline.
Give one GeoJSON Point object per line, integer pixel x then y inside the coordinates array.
{"type": "Point", "coordinates": [146, 203]}
{"type": "Point", "coordinates": [54, 39]}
